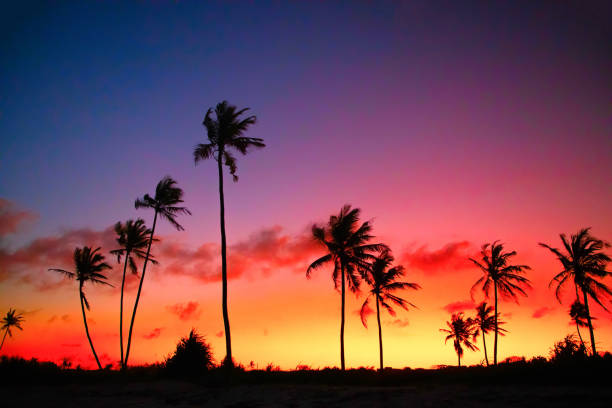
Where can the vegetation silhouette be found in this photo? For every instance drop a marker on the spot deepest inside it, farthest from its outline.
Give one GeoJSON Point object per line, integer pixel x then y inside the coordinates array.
{"type": "Point", "coordinates": [164, 204]}
{"type": "Point", "coordinates": [460, 330]}
{"type": "Point", "coordinates": [10, 320]}
{"type": "Point", "coordinates": [225, 133]}
{"type": "Point", "coordinates": [383, 281]}
{"type": "Point", "coordinates": [584, 263]}
{"type": "Point", "coordinates": [192, 357]}
{"type": "Point", "coordinates": [132, 237]}
{"type": "Point", "coordinates": [568, 349]}
{"type": "Point", "coordinates": [89, 265]}
{"type": "Point", "coordinates": [578, 315]}
{"type": "Point", "coordinates": [504, 277]}
{"type": "Point", "coordinates": [485, 323]}
{"type": "Point", "coordinates": [347, 245]}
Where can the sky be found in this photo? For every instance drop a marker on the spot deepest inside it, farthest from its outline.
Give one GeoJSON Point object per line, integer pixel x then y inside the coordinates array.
{"type": "Point", "coordinates": [449, 125]}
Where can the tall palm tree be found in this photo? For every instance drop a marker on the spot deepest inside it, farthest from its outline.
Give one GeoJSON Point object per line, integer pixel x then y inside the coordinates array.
{"type": "Point", "coordinates": [578, 314]}
{"type": "Point", "coordinates": [132, 237]}
{"type": "Point", "coordinates": [89, 267]}
{"type": "Point", "coordinates": [347, 248]}
{"type": "Point", "coordinates": [460, 330]}
{"type": "Point", "coordinates": [504, 277]}
{"type": "Point", "coordinates": [164, 204]}
{"type": "Point", "coordinates": [226, 133]}
{"type": "Point", "coordinates": [584, 263]}
{"type": "Point", "coordinates": [485, 323]}
{"type": "Point", "coordinates": [383, 280]}
{"type": "Point", "coordinates": [12, 319]}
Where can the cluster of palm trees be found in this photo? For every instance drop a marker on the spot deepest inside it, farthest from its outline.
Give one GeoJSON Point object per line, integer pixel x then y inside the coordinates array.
{"type": "Point", "coordinates": [583, 265]}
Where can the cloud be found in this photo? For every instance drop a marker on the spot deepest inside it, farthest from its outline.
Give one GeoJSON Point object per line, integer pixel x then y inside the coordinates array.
{"type": "Point", "coordinates": [11, 218]}
{"type": "Point", "coordinates": [219, 334]}
{"type": "Point", "coordinates": [185, 311]}
{"type": "Point", "coordinates": [451, 257]}
{"type": "Point", "coordinates": [400, 322]}
{"type": "Point", "coordinates": [541, 312]}
{"type": "Point", "coordinates": [65, 318]}
{"type": "Point", "coordinates": [459, 306]}
{"type": "Point", "coordinates": [155, 333]}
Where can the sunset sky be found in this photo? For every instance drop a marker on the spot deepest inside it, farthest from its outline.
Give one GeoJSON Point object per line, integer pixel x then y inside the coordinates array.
{"type": "Point", "coordinates": [448, 126]}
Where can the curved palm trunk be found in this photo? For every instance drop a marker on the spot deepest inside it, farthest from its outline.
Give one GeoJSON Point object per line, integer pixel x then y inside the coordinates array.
{"type": "Point", "coordinates": [586, 306]}
{"type": "Point", "coordinates": [87, 328]}
{"type": "Point", "coordinates": [127, 256]}
{"type": "Point", "coordinates": [484, 345]}
{"type": "Point", "coordinates": [579, 335]}
{"type": "Point", "coordinates": [3, 338]}
{"type": "Point", "coordinates": [342, 321]}
{"type": "Point", "coordinates": [144, 270]}
{"type": "Point", "coordinates": [226, 324]}
{"type": "Point", "coordinates": [496, 328]}
{"type": "Point", "coordinates": [458, 360]}
{"type": "Point", "coordinates": [380, 346]}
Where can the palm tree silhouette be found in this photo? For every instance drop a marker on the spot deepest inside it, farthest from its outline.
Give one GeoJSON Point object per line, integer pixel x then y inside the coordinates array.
{"type": "Point", "coordinates": [485, 322]}
{"type": "Point", "coordinates": [460, 330]}
{"type": "Point", "coordinates": [348, 250]}
{"type": "Point", "coordinates": [132, 237]}
{"type": "Point", "coordinates": [584, 263]}
{"type": "Point", "coordinates": [578, 314]}
{"type": "Point", "coordinates": [164, 204]}
{"type": "Point", "coordinates": [226, 133]}
{"type": "Point", "coordinates": [504, 277]}
{"type": "Point", "coordinates": [383, 280]}
{"type": "Point", "coordinates": [89, 265]}
{"type": "Point", "coordinates": [12, 319]}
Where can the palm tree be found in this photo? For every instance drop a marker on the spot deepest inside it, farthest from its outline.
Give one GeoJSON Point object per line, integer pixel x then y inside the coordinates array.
{"type": "Point", "coordinates": [485, 322]}
{"type": "Point", "coordinates": [504, 277]}
{"type": "Point", "coordinates": [584, 263]}
{"type": "Point", "coordinates": [89, 265]}
{"type": "Point", "coordinates": [132, 237]}
{"type": "Point", "coordinates": [164, 204]}
{"type": "Point", "coordinates": [579, 315]}
{"type": "Point", "coordinates": [347, 248]}
{"type": "Point", "coordinates": [226, 133]}
{"type": "Point", "coordinates": [460, 330]}
{"type": "Point", "coordinates": [383, 280]}
{"type": "Point", "coordinates": [12, 319]}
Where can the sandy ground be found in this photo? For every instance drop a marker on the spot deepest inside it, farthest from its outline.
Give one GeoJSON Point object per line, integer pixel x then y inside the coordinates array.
{"type": "Point", "coordinates": [176, 394]}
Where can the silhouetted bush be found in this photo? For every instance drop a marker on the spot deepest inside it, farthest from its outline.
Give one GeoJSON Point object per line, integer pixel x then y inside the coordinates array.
{"type": "Point", "coordinates": [568, 349]}
{"type": "Point", "coordinates": [192, 357]}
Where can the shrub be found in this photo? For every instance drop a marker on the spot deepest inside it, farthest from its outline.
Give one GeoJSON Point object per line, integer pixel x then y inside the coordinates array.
{"type": "Point", "coordinates": [568, 349]}
{"type": "Point", "coordinates": [191, 358]}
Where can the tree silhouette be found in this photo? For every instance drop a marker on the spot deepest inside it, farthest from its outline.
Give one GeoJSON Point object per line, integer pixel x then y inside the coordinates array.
{"type": "Point", "coordinates": [485, 323]}
{"type": "Point", "coordinates": [578, 314]}
{"type": "Point", "coordinates": [504, 277]}
{"type": "Point", "coordinates": [226, 133]}
{"type": "Point", "coordinates": [164, 204]}
{"type": "Point", "coordinates": [192, 356]}
{"type": "Point", "coordinates": [12, 319]}
{"type": "Point", "coordinates": [461, 331]}
{"type": "Point", "coordinates": [347, 248]}
{"type": "Point", "coordinates": [89, 265]}
{"type": "Point", "coordinates": [584, 263]}
{"type": "Point", "coordinates": [383, 281]}
{"type": "Point", "coordinates": [132, 237]}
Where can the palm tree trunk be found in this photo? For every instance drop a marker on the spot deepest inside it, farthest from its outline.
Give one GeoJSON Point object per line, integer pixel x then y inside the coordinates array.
{"type": "Point", "coordinates": [586, 306]}
{"type": "Point", "coordinates": [458, 360]}
{"type": "Point", "coordinates": [342, 321]}
{"type": "Point", "coordinates": [484, 345]}
{"type": "Point", "coordinates": [86, 327]}
{"type": "Point", "coordinates": [496, 328]}
{"type": "Point", "coordinates": [144, 271]}
{"type": "Point", "coordinates": [579, 335]}
{"type": "Point", "coordinates": [3, 337]}
{"type": "Point", "coordinates": [380, 346]}
{"type": "Point", "coordinates": [127, 256]}
{"type": "Point", "coordinates": [226, 323]}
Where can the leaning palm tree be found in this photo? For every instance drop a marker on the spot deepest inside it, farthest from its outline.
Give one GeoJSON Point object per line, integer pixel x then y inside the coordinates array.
{"type": "Point", "coordinates": [347, 248]}
{"type": "Point", "coordinates": [89, 265]}
{"type": "Point", "coordinates": [383, 280]}
{"type": "Point", "coordinates": [164, 204]}
{"type": "Point", "coordinates": [504, 277]}
{"type": "Point", "coordinates": [132, 237]}
{"type": "Point", "coordinates": [584, 263]}
{"type": "Point", "coordinates": [460, 330]}
{"type": "Point", "coordinates": [578, 315]}
{"type": "Point", "coordinates": [485, 323]}
{"type": "Point", "coordinates": [226, 133]}
{"type": "Point", "coordinates": [12, 319]}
